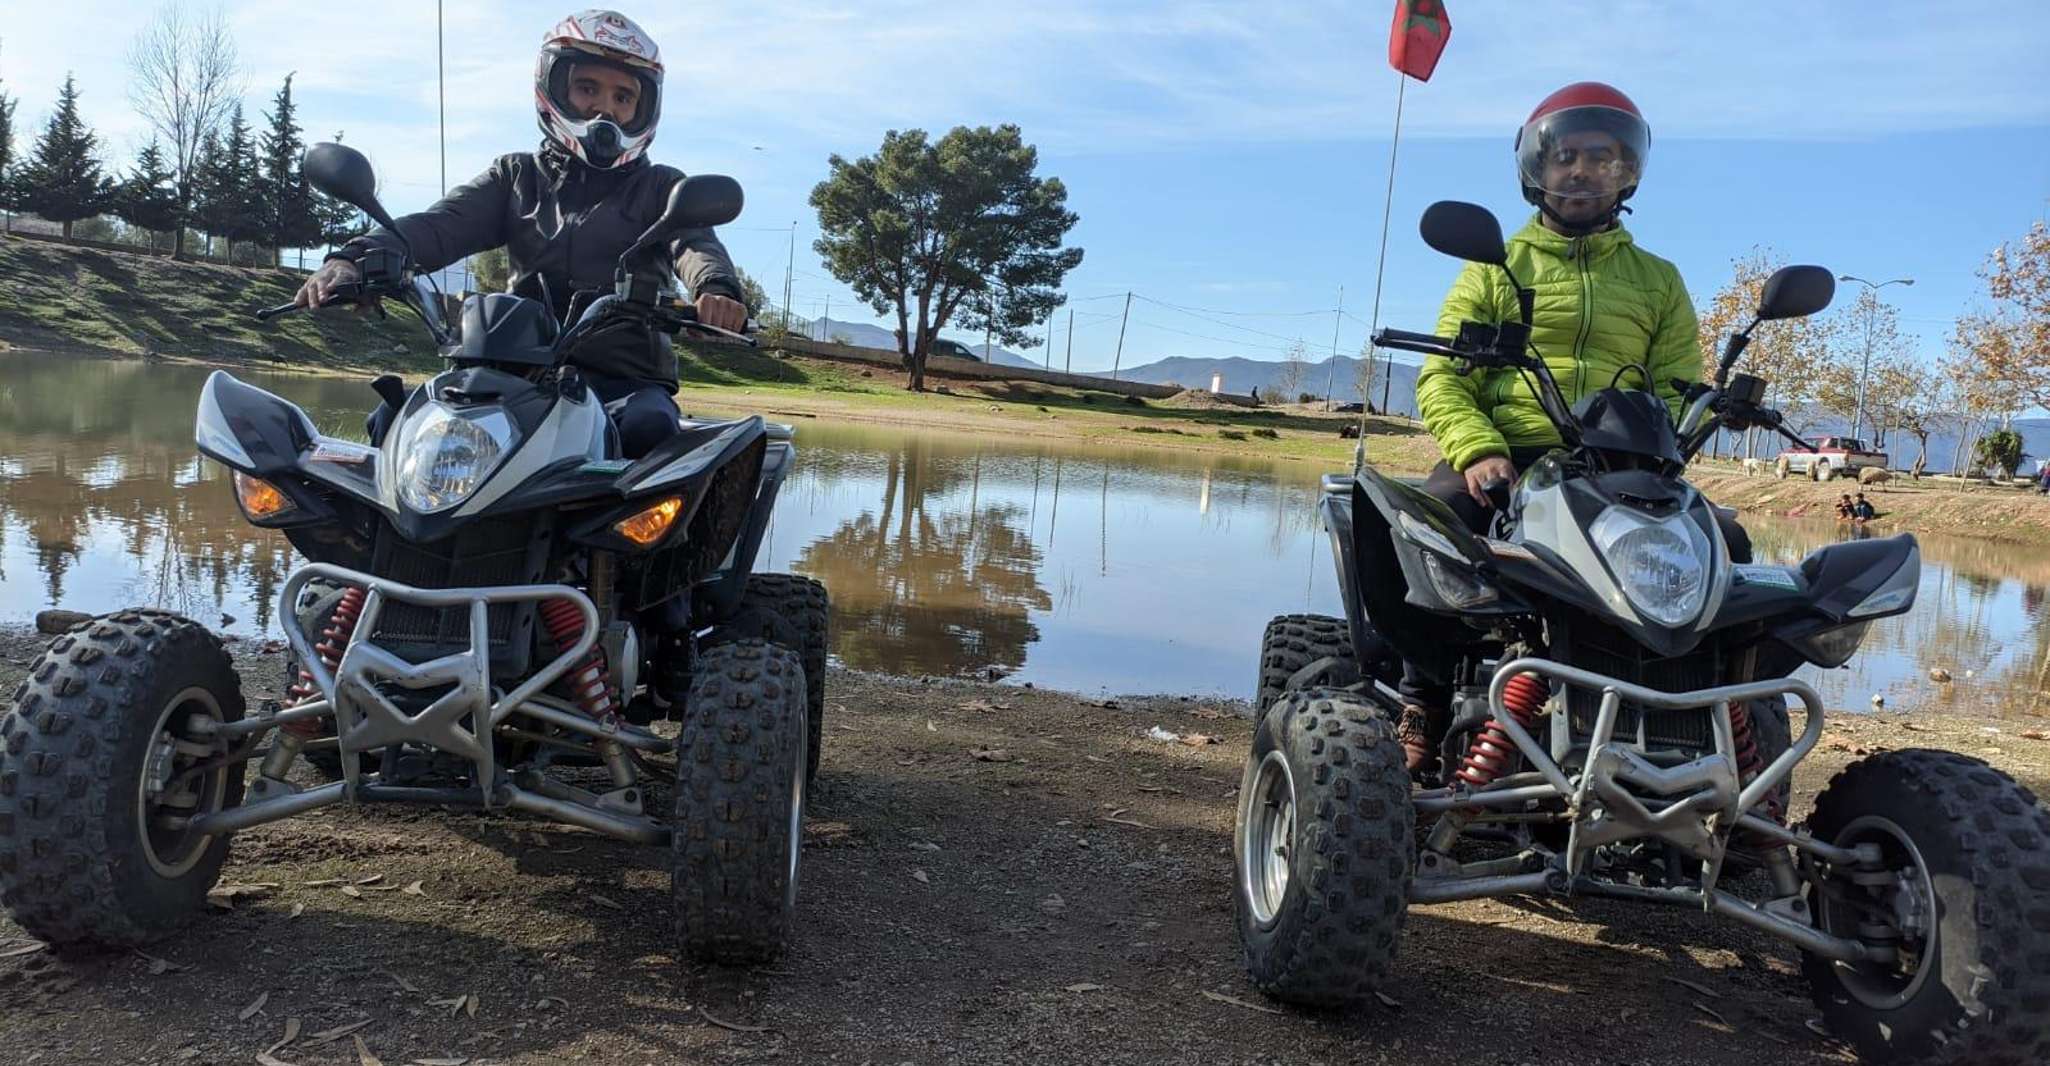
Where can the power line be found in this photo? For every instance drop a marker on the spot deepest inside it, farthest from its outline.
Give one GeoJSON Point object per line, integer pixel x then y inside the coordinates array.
{"type": "Point", "coordinates": [1252, 314]}
{"type": "Point", "coordinates": [1215, 322]}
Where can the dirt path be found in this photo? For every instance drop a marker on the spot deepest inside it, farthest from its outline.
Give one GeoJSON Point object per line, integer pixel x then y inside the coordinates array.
{"type": "Point", "coordinates": [1069, 902]}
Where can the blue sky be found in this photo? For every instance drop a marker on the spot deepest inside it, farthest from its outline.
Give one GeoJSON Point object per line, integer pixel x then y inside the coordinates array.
{"type": "Point", "coordinates": [1229, 157]}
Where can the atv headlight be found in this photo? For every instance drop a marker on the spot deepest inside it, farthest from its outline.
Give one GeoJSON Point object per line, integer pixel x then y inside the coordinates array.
{"type": "Point", "coordinates": [1661, 563]}
{"type": "Point", "coordinates": [443, 455]}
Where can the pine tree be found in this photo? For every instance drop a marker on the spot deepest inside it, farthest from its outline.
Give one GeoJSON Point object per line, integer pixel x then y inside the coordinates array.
{"type": "Point", "coordinates": [7, 108]}
{"type": "Point", "coordinates": [231, 194]}
{"type": "Point", "coordinates": [206, 161]}
{"type": "Point", "coordinates": [62, 180]}
{"type": "Point", "coordinates": [288, 208]}
{"type": "Point", "coordinates": [148, 197]}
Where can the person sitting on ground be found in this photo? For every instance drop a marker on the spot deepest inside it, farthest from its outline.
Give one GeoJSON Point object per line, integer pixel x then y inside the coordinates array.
{"type": "Point", "coordinates": [564, 215]}
{"type": "Point", "coordinates": [1604, 305]}
{"type": "Point", "coordinates": [1843, 507]}
{"type": "Point", "coordinates": [1862, 511]}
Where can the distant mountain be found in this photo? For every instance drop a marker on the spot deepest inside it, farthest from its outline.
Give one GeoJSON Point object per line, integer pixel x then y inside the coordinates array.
{"type": "Point", "coordinates": [1241, 375]}
{"type": "Point", "coordinates": [868, 335]}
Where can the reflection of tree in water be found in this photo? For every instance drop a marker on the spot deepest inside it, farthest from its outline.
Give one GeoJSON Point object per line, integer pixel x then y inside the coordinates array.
{"type": "Point", "coordinates": [102, 452]}
{"type": "Point", "coordinates": [926, 585]}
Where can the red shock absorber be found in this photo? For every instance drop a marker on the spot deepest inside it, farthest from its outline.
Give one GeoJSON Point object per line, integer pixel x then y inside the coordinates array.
{"type": "Point", "coordinates": [1750, 762]}
{"type": "Point", "coordinates": [587, 680]}
{"type": "Point", "coordinates": [1492, 753]}
{"type": "Point", "coordinates": [334, 640]}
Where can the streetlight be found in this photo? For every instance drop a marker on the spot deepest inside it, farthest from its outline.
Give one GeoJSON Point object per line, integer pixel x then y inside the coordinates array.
{"type": "Point", "coordinates": [1858, 413]}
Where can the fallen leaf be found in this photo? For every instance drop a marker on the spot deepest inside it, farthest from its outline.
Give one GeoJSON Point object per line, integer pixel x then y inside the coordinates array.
{"type": "Point", "coordinates": [920, 877]}
{"type": "Point", "coordinates": [991, 755]}
{"type": "Point", "coordinates": [1095, 758]}
{"type": "Point", "coordinates": [1197, 740]}
{"type": "Point", "coordinates": [1815, 1026]}
{"type": "Point", "coordinates": [735, 1026]}
{"type": "Point", "coordinates": [1237, 1002]}
{"type": "Point", "coordinates": [158, 967]}
{"type": "Point", "coordinates": [1211, 713]}
{"type": "Point", "coordinates": [329, 1036]}
{"type": "Point", "coordinates": [363, 1055]}
{"type": "Point", "coordinates": [1085, 987]}
{"type": "Point", "coordinates": [26, 949]}
{"type": "Point", "coordinates": [264, 1057]}
{"type": "Point", "coordinates": [404, 984]}
{"type": "Point", "coordinates": [470, 1007]}
{"type": "Point", "coordinates": [1387, 1000]}
{"type": "Point", "coordinates": [2035, 734]}
{"type": "Point", "coordinates": [978, 704]}
{"type": "Point", "coordinates": [224, 896]}
{"type": "Point", "coordinates": [1913, 728]}
{"type": "Point", "coordinates": [1703, 989]}
{"type": "Point", "coordinates": [603, 902]}
{"type": "Point", "coordinates": [924, 845]}
{"type": "Point", "coordinates": [454, 1005]}
{"type": "Point", "coordinates": [1127, 821]}
{"type": "Point", "coordinates": [371, 880]}
{"type": "Point", "coordinates": [322, 883]}
{"type": "Point", "coordinates": [547, 1002]}
{"type": "Point", "coordinates": [352, 892]}
{"type": "Point", "coordinates": [414, 889]}
{"type": "Point", "coordinates": [1704, 1008]}
{"type": "Point", "coordinates": [297, 910]}
{"type": "Point", "coordinates": [930, 727]}
{"type": "Point", "coordinates": [250, 1011]}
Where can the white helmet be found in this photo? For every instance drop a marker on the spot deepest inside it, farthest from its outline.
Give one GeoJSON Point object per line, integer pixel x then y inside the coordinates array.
{"type": "Point", "coordinates": [611, 39]}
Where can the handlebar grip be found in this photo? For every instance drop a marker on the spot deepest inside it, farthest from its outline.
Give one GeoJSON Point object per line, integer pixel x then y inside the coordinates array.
{"type": "Point", "coordinates": [269, 313]}
{"type": "Point", "coordinates": [1496, 489]}
{"type": "Point", "coordinates": [343, 294]}
{"type": "Point", "coordinates": [1389, 333]}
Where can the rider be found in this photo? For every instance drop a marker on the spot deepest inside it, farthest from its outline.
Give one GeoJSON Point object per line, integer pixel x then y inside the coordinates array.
{"type": "Point", "coordinates": [565, 213]}
{"type": "Point", "coordinates": [1603, 304]}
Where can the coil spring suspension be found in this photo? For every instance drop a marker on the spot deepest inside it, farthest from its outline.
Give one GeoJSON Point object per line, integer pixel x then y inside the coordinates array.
{"type": "Point", "coordinates": [1750, 762]}
{"type": "Point", "coordinates": [334, 640]}
{"type": "Point", "coordinates": [1492, 753]}
{"type": "Point", "coordinates": [587, 681]}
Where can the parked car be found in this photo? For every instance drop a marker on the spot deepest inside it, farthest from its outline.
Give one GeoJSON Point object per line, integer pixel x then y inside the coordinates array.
{"type": "Point", "coordinates": [1832, 457]}
{"type": "Point", "coordinates": [954, 350]}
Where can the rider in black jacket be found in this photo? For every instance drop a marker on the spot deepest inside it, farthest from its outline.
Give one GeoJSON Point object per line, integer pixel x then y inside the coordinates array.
{"type": "Point", "coordinates": [565, 213]}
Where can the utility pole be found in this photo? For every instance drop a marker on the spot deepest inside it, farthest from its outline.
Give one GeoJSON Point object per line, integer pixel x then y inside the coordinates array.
{"type": "Point", "coordinates": [789, 266]}
{"type": "Point", "coordinates": [1049, 342]}
{"type": "Point", "coordinates": [1120, 358]}
{"type": "Point", "coordinates": [1069, 366]}
{"type": "Point", "coordinates": [825, 320]}
{"type": "Point", "coordinates": [441, 94]}
{"type": "Point", "coordinates": [1331, 373]}
{"type": "Point", "coordinates": [1871, 311]}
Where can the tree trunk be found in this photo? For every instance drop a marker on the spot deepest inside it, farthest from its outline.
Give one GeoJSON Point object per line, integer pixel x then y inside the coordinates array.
{"type": "Point", "coordinates": [178, 241]}
{"type": "Point", "coordinates": [67, 230]}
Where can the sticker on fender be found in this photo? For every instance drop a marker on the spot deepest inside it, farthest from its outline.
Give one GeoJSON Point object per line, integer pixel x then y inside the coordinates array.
{"type": "Point", "coordinates": [605, 466]}
{"type": "Point", "coordinates": [1778, 577]}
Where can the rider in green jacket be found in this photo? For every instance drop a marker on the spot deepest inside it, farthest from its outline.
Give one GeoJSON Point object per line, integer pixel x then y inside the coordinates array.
{"type": "Point", "coordinates": [1607, 312]}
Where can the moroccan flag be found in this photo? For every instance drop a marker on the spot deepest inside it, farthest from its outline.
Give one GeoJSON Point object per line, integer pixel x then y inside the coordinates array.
{"type": "Point", "coordinates": [1418, 37]}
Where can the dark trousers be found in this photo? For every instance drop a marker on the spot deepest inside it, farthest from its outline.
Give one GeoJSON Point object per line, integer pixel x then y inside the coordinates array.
{"type": "Point", "coordinates": [644, 413]}
{"type": "Point", "coordinates": [1449, 485]}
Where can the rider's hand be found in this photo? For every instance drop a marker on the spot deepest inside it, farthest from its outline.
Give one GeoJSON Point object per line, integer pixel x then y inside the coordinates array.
{"type": "Point", "coordinates": [1482, 471]}
{"type": "Point", "coordinates": [722, 312]}
{"type": "Point", "coordinates": [320, 287]}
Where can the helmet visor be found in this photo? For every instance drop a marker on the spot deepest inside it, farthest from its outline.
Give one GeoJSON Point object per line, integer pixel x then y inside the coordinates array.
{"type": "Point", "coordinates": [1583, 152]}
{"type": "Point", "coordinates": [585, 85]}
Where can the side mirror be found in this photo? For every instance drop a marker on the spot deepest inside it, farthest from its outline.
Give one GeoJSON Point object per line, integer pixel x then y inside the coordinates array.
{"type": "Point", "coordinates": [696, 202]}
{"type": "Point", "coordinates": [1464, 231]}
{"type": "Point", "coordinates": [341, 172]}
{"type": "Point", "coordinates": [1795, 292]}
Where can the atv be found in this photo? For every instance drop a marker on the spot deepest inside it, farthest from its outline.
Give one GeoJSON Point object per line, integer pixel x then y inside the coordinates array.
{"type": "Point", "coordinates": [496, 607]}
{"type": "Point", "coordinates": [1619, 726]}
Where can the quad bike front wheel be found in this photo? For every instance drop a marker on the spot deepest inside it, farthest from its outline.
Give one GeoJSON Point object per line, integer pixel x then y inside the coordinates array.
{"type": "Point", "coordinates": [110, 752]}
{"type": "Point", "coordinates": [1291, 642]}
{"type": "Point", "coordinates": [1961, 895]}
{"type": "Point", "coordinates": [740, 787]}
{"type": "Point", "coordinates": [792, 611]}
{"type": "Point", "coordinates": [1323, 849]}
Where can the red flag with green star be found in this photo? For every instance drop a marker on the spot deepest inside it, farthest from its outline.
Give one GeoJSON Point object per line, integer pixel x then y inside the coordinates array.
{"type": "Point", "coordinates": [1418, 37]}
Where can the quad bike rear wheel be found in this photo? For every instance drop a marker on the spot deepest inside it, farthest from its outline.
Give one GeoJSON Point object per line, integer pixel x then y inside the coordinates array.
{"type": "Point", "coordinates": [1323, 849]}
{"type": "Point", "coordinates": [111, 750]}
{"type": "Point", "coordinates": [1962, 895]}
{"type": "Point", "coordinates": [1293, 641]}
{"type": "Point", "coordinates": [792, 611]}
{"type": "Point", "coordinates": [740, 788]}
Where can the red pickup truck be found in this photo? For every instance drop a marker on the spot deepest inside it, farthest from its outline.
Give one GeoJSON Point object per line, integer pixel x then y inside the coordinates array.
{"type": "Point", "coordinates": [1833, 456]}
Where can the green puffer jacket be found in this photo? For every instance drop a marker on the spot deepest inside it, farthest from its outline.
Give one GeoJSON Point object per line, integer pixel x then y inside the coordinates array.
{"type": "Point", "coordinates": [1602, 304]}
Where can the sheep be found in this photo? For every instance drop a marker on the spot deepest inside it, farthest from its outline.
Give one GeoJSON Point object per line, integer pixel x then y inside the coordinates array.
{"type": "Point", "coordinates": [1754, 467]}
{"type": "Point", "coordinates": [1874, 475]}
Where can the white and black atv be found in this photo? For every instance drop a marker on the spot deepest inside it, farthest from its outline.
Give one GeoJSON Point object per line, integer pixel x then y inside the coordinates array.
{"type": "Point", "coordinates": [1620, 729]}
{"type": "Point", "coordinates": [496, 606]}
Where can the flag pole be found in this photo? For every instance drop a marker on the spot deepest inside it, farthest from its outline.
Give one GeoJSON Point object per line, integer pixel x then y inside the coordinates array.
{"type": "Point", "coordinates": [1359, 450]}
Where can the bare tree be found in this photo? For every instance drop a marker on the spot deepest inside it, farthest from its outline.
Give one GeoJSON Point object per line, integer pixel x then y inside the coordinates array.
{"type": "Point", "coordinates": [1288, 379]}
{"type": "Point", "coordinates": [1367, 373]}
{"type": "Point", "coordinates": [184, 68]}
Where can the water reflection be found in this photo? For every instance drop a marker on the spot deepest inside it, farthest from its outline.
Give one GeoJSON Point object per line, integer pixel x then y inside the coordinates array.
{"type": "Point", "coordinates": [1078, 567]}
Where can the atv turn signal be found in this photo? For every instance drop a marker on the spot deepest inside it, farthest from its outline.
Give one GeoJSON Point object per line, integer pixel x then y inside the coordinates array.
{"type": "Point", "coordinates": [260, 499]}
{"type": "Point", "coordinates": [652, 524]}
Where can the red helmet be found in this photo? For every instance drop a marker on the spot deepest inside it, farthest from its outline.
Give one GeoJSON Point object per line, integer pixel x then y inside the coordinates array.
{"type": "Point", "coordinates": [610, 39]}
{"type": "Point", "coordinates": [1586, 140]}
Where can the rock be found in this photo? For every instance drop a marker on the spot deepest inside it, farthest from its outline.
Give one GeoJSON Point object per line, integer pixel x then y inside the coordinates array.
{"type": "Point", "coordinates": [1939, 675]}
{"type": "Point", "coordinates": [868, 373]}
{"type": "Point", "coordinates": [1878, 700]}
{"type": "Point", "coordinates": [56, 621]}
{"type": "Point", "coordinates": [994, 673]}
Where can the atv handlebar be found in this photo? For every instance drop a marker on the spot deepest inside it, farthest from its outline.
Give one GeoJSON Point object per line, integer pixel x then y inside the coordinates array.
{"type": "Point", "coordinates": [347, 293]}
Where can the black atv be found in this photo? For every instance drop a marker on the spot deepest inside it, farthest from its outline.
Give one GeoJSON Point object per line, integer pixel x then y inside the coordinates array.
{"type": "Point", "coordinates": [1620, 728]}
{"type": "Point", "coordinates": [496, 606]}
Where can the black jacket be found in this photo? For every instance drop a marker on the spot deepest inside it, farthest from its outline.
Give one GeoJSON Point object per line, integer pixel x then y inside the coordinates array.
{"type": "Point", "coordinates": [565, 224]}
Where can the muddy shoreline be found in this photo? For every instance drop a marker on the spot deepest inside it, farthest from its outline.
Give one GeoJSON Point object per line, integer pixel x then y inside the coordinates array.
{"type": "Point", "coordinates": [1067, 902]}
